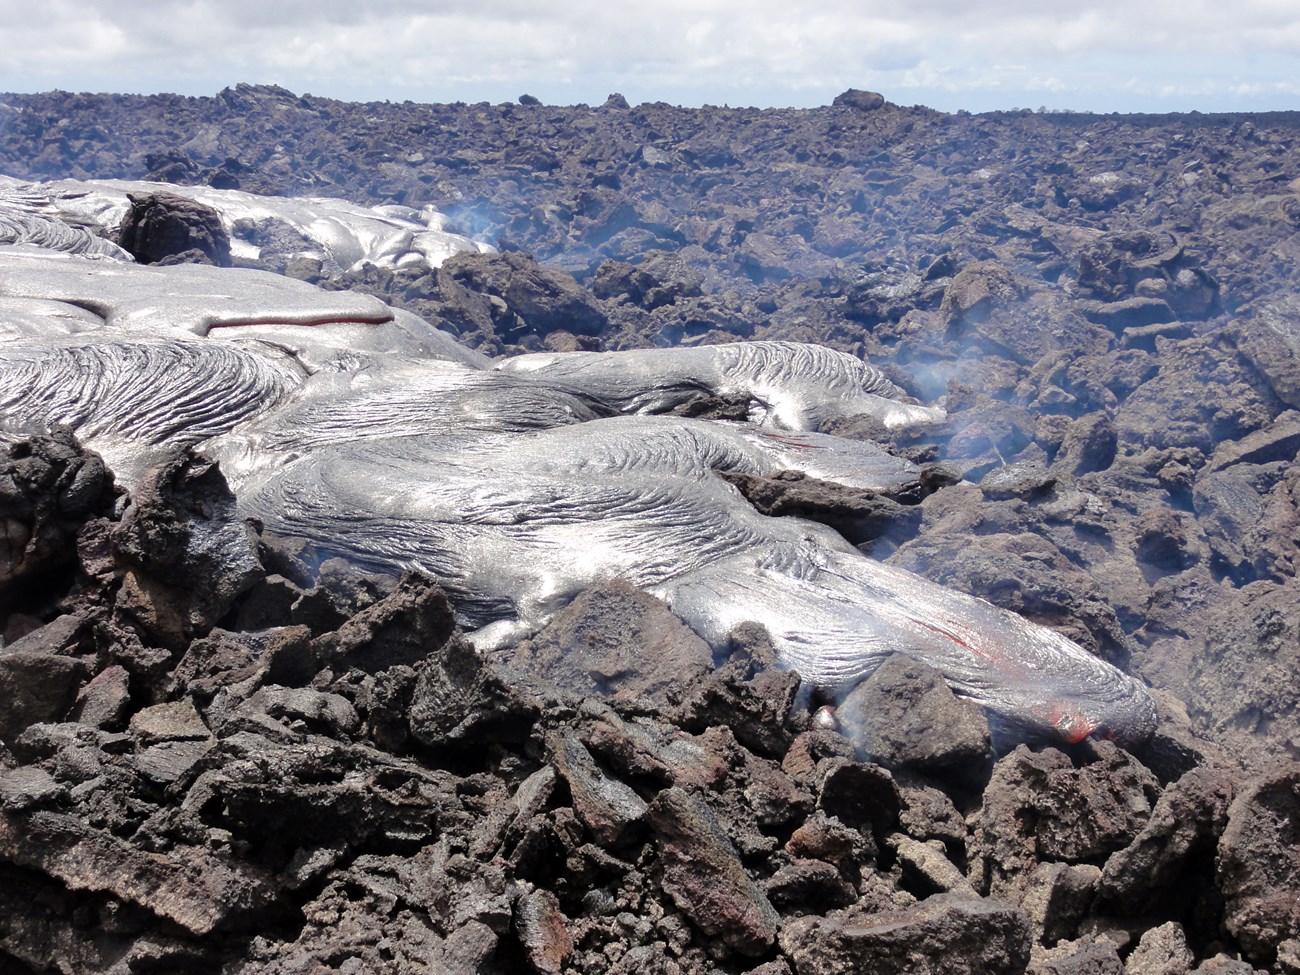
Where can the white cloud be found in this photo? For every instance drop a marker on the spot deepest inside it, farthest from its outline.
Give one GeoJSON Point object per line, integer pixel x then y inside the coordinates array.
{"type": "Point", "coordinates": [761, 51]}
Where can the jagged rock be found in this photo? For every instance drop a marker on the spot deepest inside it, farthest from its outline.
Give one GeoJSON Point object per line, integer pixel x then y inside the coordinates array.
{"type": "Point", "coordinates": [975, 292]}
{"type": "Point", "coordinates": [1057, 896]}
{"type": "Point", "coordinates": [27, 787]}
{"type": "Point", "coordinates": [747, 692]}
{"type": "Point", "coordinates": [105, 701]}
{"type": "Point", "coordinates": [1259, 865]}
{"type": "Point", "coordinates": [862, 795]}
{"type": "Point", "coordinates": [926, 866]}
{"type": "Point", "coordinates": [949, 933]}
{"type": "Point", "coordinates": [618, 642]}
{"type": "Point", "coordinates": [862, 101]}
{"type": "Point", "coordinates": [196, 889]}
{"type": "Point", "coordinates": [36, 686]}
{"type": "Point", "coordinates": [1089, 445]}
{"type": "Point", "coordinates": [403, 627]}
{"type": "Point", "coordinates": [1280, 441]}
{"type": "Point", "coordinates": [1161, 951]}
{"type": "Point", "coordinates": [49, 487]}
{"type": "Point", "coordinates": [532, 299]}
{"type": "Point", "coordinates": [607, 807]}
{"type": "Point", "coordinates": [1167, 861]}
{"type": "Point", "coordinates": [904, 716]}
{"type": "Point", "coordinates": [459, 702]}
{"type": "Point", "coordinates": [173, 721]}
{"type": "Point", "coordinates": [1270, 338]}
{"type": "Point", "coordinates": [163, 228]}
{"type": "Point", "coordinates": [808, 886]}
{"type": "Point", "coordinates": [858, 515]}
{"type": "Point", "coordinates": [188, 554]}
{"type": "Point", "coordinates": [543, 932]}
{"type": "Point", "coordinates": [1087, 956]}
{"type": "Point", "coordinates": [1240, 677]}
{"type": "Point", "coordinates": [704, 877]}
{"type": "Point", "coordinates": [1249, 516]}
{"type": "Point", "coordinates": [1038, 807]}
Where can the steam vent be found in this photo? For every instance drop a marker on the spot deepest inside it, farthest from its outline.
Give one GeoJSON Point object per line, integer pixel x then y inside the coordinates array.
{"type": "Point", "coordinates": [634, 539]}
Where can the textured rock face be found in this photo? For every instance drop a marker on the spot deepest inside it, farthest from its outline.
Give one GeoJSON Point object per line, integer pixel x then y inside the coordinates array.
{"type": "Point", "coordinates": [1259, 865]}
{"type": "Point", "coordinates": [163, 228]}
{"type": "Point", "coordinates": [617, 642]}
{"type": "Point", "coordinates": [327, 769]}
{"type": "Point", "coordinates": [49, 488]}
{"type": "Point", "coordinates": [190, 555]}
{"type": "Point", "coordinates": [947, 933]}
{"type": "Point", "coordinates": [904, 716]}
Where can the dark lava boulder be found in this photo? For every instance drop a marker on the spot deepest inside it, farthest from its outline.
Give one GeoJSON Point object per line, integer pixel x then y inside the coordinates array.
{"type": "Point", "coordinates": [905, 716]}
{"type": "Point", "coordinates": [617, 642]}
{"type": "Point", "coordinates": [856, 98]}
{"type": "Point", "coordinates": [527, 298]}
{"type": "Point", "coordinates": [163, 228]}
{"type": "Point", "coordinates": [187, 552]}
{"type": "Point", "coordinates": [948, 933]}
{"type": "Point", "coordinates": [49, 488]}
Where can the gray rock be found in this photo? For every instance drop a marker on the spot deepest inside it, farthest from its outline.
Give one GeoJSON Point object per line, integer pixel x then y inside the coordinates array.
{"type": "Point", "coordinates": [859, 100]}
{"type": "Point", "coordinates": [36, 686]}
{"type": "Point", "coordinates": [949, 934]}
{"type": "Point", "coordinates": [607, 807]}
{"type": "Point", "coordinates": [1161, 951]}
{"type": "Point", "coordinates": [926, 867]}
{"type": "Point", "coordinates": [194, 888]}
{"type": "Point", "coordinates": [704, 877]}
{"type": "Point", "coordinates": [188, 554]}
{"type": "Point", "coordinates": [1087, 956]}
{"type": "Point", "coordinates": [905, 716]}
{"type": "Point", "coordinates": [531, 299]}
{"type": "Point", "coordinates": [172, 721]}
{"type": "Point", "coordinates": [27, 787]}
{"type": "Point", "coordinates": [1241, 677]}
{"type": "Point", "coordinates": [1038, 807]}
{"type": "Point", "coordinates": [1057, 896]}
{"type": "Point", "coordinates": [105, 701]}
{"type": "Point", "coordinates": [618, 642]}
{"type": "Point", "coordinates": [808, 886]}
{"type": "Point", "coordinates": [543, 931]}
{"type": "Point", "coordinates": [1259, 865]}
{"type": "Point", "coordinates": [49, 487]}
{"type": "Point", "coordinates": [160, 228]}
{"type": "Point", "coordinates": [1185, 826]}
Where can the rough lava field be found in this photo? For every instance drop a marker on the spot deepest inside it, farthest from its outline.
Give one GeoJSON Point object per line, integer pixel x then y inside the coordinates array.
{"type": "Point", "coordinates": [218, 756]}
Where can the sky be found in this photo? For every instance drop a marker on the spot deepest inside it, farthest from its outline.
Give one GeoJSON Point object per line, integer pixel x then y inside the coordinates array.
{"type": "Point", "coordinates": [1111, 56]}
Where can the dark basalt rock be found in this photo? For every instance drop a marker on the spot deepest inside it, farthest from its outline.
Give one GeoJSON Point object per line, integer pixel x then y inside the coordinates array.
{"type": "Point", "coordinates": [947, 933]}
{"type": "Point", "coordinates": [863, 101]}
{"type": "Point", "coordinates": [187, 554]}
{"type": "Point", "coordinates": [1259, 865]}
{"type": "Point", "coordinates": [529, 299]}
{"type": "Point", "coordinates": [163, 228]}
{"type": "Point", "coordinates": [904, 716]}
{"type": "Point", "coordinates": [616, 642]}
{"type": "Point", "coordinates": [49, 488]}
{"type": "Point", "coordinates": [704, 877]}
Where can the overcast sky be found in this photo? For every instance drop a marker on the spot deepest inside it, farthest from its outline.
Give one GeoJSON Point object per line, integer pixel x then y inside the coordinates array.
{"type": "Point", "coordinates": [1118, 55]}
